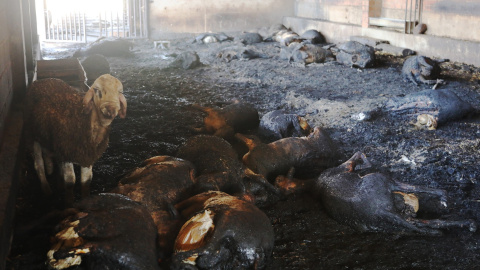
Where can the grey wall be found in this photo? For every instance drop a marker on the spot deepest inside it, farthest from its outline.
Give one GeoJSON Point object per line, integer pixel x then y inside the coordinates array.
{"type": "Point", "coordinates": [198, 16]}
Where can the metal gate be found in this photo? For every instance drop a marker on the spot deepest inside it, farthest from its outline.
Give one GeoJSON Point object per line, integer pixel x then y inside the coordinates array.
{"type": "Point", "coordinates": [85, 21]}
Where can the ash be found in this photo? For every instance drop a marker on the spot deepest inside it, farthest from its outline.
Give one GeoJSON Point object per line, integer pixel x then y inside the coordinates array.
{"type": "Point", "coordinates": [328, 95]}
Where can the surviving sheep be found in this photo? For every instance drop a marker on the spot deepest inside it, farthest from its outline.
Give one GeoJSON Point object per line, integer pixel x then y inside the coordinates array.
{"type": "Point", "coordinates": [71, 127]}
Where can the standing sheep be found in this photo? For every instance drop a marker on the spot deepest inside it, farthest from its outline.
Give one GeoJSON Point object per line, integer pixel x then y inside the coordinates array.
{"type": "Point", "coordinates": [71, 127]}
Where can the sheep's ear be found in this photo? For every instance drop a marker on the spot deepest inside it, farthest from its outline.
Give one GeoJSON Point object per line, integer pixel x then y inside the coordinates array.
{"type": "Point", "coordinates": [123, 106]}
{"type": "Point", "coordinates": [88, 101]}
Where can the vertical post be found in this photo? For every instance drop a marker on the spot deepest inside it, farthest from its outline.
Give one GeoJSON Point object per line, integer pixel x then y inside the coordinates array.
{"type": "Point", "coordinates": [118, 26]}
{"type": "Point", "coordinates": [410, 20]}
{"type": "Point", "coordinates": [75, 26]}
{"type": "Point", "coordinates": [70, 25]}
{"type": "Point", "coordinates": [99, 24]}
{"type": "Point", "coordinates": [84, 29]}
{"type": "Point", "coordinates": [124, 15]}
{"type": "Point", "coordinates": [134, 17]}
{"type": "Point", "coordinates": [111, 22]}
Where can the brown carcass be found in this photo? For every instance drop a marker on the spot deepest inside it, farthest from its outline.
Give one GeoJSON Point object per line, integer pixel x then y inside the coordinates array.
{"type": "Point", "coordinates": [222, 232]}
{"type": "Point", "coordinates": [71, 127]}
{"type": "Point", "coordinates": [377, 203]}
{"type": "Point", "coordinates": [109, 231]}
{"type": "Point", "coordinates": [308, 155]}
{"type": "Point", "coordinates": [225, 122]}
{"type": "Point", "coordinates": [159, 183]}
{"type": "Point", "coordinates": [219, 168]}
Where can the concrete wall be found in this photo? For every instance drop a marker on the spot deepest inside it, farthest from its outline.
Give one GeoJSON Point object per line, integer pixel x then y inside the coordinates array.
{"type": "Point", "coordinates": [457, 19]}
{"type": "Point", "coordinates": [342, 11]}
{"type": "Point", "coordinates": [17, 36]}
{"type": "Point", "coordinates": [445, 18]}
{"type": "Point", "coordinates": [198, 16]}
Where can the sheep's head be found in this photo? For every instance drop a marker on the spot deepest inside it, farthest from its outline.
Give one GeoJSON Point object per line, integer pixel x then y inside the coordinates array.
{"type": "Point", "coordinates": [106, 95]}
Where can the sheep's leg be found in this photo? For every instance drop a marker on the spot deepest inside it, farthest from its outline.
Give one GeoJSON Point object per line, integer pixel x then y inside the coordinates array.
{"type": "Point", "coordinates": [40, 168]}
{"type": "Point", "coordinates": [69, 180]}
{"type": "Point", "coordinates": [404, 187]}
{"type": "Point", "coordinates": [426, 81]}
{"type": "Point", "coordinates": [87, 175]}
{"type": "Point", "coordinates": [47, 159]}
{"type": "Point", "coordinates": [445, 224]}
{"type": "Point", "coordinates": [411, 78]}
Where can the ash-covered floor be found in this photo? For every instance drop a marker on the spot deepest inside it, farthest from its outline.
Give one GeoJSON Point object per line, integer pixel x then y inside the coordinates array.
{"type": "Point", "coordinates": [327, 95]}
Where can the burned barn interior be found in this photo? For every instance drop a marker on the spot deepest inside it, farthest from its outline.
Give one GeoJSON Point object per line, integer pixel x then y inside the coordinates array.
{"type": "Point", "coordinates": [243, 134]}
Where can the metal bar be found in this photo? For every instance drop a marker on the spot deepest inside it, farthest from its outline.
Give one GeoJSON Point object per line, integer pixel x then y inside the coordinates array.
{"type": "Point", "coordinates": [111, 22]}
{"type": "Point", "coordinates": [415, 16]}
{"type": "Point", "coordinates": [410, 21]}
{"type": "Point", "coordinates": [134, 18]}
{"type": "Point", "coordinates": [100, 24]}
{"type": "Point", "coordinates": [406, 9]}
{"type": "Point", "coordinates": [420, 12]}
{"type": "Point", "coordinates": [124, 14]}
{"type": "Point", "coordinates": [48, 24]}
{"type": "Point", "coordinates": [56, 26]}
{"type": "Point", "coordinates": [118, 26]}
{"type": "Point", "coordinates": [145, 19]}
{"type": "Point", "coordinates": [140, 17]}
{"type": "Point", "coordinates": [70, 22]}
{"type": "Point", "coordinates": [75, 26]}
{"type": "Point", "coordinates": [106, 25]}
{"type": "Point", "coordinates": [84, 29]}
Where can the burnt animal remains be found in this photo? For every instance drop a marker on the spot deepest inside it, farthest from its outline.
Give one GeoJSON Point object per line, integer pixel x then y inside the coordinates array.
{"type": "Point", "coordinates": [377, 203]}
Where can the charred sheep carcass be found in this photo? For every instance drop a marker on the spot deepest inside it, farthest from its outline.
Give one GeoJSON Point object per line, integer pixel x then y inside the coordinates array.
{"type": "Point", "coordinates": [441, 106]}
{"type": "Point", "coordinates": [422, 69]}
{"type": "Point", "coordinates": [219, 168]}
{"type": "Point", "coordinates": [107, 47]}
{"type": "Point", "coordinates": [217, 164]}
{"type": "Point", "coordinates": [377, 203]}
{"type": "Point", "coordinates": [268, 32]}
{"type": "Point", "coordinates": [109, 231]}
{"type": "Point", "coordinates": [186, 60]}
{"type": "Point", "coordinates": [276, 125]}
{"type": "Point", "coordinates": [225, 122]}
{"type": "Point", "coordinates": [287, 37]}
{"type": "Point", "coordinates": [239, 53]}
{"type": "Point", "coordinates": [159, 183]}
{"type": "Point", "coordinates": [222, 232]}
{"type": "Point", "coordinates": [355, 54]}
{"type": "Point", "coordinates": [206, 38]}
{"type": "Point", "coordinates": [249, 38]}
{"type": "Point", "coordinates": [309, 155]}
{"type": "Point", "coordinates": [305, 53]}
{"type": "Point", "coordinates": [313, 36]}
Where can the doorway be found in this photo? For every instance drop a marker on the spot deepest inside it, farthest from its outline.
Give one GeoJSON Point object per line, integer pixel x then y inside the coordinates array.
{"type": "Point", "coordinates": [88, 20]}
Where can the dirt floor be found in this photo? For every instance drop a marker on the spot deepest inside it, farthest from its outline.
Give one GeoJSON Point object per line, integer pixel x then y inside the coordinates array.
{"type": "Point", "coordinates": [327, 95]}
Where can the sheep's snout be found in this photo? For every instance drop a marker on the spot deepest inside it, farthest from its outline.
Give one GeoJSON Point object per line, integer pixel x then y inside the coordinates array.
{"type": "Point", "coordinates": [110, 111]}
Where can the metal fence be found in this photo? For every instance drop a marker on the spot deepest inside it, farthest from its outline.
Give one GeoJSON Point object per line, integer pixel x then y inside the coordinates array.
{"type": "Point", "coordinates": [413, 14]}
{"type": "Point", "coordinates": [130, 22]}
